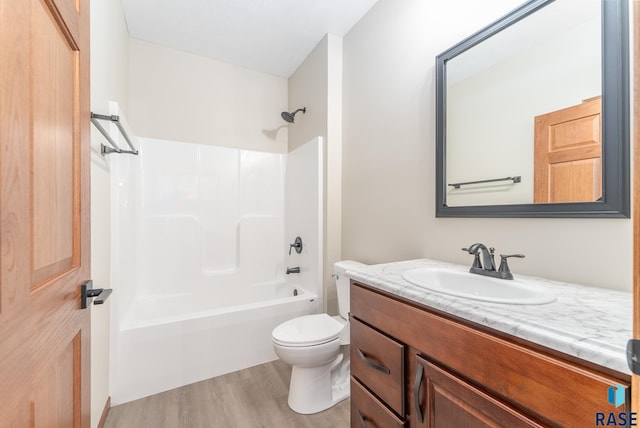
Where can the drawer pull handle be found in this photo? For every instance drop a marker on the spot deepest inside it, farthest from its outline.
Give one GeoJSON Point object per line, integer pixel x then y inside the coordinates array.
{"type": "Point", "coordinates": [363, 420]}
{"type": "Point", "coordinates": [417, 386]}
{"type": "Point", "coordinates": [372, 364]}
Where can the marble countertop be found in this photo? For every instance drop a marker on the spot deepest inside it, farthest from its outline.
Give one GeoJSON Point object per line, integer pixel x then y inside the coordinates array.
{"type": "Point", "coordinates": [590, 323]}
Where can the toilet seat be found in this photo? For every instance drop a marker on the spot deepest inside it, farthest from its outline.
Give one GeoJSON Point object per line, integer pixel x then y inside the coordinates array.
{"type": "Point", "coordinates": [307, 330]}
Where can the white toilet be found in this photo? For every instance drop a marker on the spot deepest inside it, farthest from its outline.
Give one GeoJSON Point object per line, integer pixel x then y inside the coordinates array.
{"type": "Point", "coordinates": [316, 347]}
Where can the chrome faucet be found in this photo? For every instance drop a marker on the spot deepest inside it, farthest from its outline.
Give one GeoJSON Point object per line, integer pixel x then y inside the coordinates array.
{"type": "Point", "coordinates": [487, 266]}
{"type": "Point", "coordinates": [488, 262]}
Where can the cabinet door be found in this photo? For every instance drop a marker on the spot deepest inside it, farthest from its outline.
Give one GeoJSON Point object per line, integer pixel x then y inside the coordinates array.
{"type": "Point", "coordinates": [440, 399]}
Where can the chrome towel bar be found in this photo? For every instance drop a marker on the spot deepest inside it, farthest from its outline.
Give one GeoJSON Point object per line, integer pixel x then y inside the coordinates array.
{"type": "Point", "coordinates": [515, 179]}
{"type": "Point", "coordinates": [104, 150]}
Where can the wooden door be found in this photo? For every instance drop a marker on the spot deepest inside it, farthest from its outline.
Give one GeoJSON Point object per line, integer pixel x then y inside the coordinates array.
{"type": "Point", "coordinates": [568, 154]}
{"type": "Point", "coordinates": [635, 379]}
{"type": "Point", "coordinates": [44, 209]}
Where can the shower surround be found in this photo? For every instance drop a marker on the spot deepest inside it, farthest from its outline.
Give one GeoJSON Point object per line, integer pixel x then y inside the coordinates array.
{"type": "Point", "coordinates": [200, 239]}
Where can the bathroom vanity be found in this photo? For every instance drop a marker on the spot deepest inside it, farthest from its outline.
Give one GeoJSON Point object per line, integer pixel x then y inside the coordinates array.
{"type": "Point", "coordinates": [424, 359]}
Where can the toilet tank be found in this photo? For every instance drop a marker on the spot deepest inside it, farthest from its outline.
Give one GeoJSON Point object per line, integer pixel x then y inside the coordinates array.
{"type": "Point", "coordinates": [342, 285]}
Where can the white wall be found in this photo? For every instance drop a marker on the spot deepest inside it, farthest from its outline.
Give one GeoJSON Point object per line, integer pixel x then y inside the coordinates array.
{"type": "Point", "coordinates": [389, 157]}
{"type": "Point", "coordinates": [317, 85]}
{"type": "Point", "coordinates": [333, 171]}
{"type": "Point", "coordinates": [109, 81]}
{"type": "Point", "coordinates": [183, 97]}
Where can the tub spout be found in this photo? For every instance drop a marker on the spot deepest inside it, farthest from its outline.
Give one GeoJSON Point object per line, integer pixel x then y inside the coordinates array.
{"type": "Point", "coordinates": [293, 270]}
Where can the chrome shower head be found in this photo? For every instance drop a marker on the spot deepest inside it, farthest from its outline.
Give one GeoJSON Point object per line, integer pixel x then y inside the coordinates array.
{"type": "Point", "coordinates": [288, 117]}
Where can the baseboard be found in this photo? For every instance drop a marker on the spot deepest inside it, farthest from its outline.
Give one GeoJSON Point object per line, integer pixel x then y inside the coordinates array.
{"type": "Point", "coordinates": [105, 412]}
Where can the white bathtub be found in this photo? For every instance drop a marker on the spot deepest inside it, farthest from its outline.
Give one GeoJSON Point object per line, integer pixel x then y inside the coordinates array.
{"type": "Point", "coordinates": [199, 235]}
{"type": "Point", "coordinates": [174, 340]}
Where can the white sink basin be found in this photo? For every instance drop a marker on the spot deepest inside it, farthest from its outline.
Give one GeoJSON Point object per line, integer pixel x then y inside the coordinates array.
{"type": "Point", "coordinates": [477, 287]}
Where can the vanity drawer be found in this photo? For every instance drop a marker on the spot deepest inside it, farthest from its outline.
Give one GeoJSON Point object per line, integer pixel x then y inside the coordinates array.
{"type": "Point", "coordinates": [368, 411]}
{"type": "Point", "coordinates": [378, 362]}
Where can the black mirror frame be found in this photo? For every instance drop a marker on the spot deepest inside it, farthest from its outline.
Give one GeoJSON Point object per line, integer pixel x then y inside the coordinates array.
{"type": "Point", "coordinates": [615, 123]}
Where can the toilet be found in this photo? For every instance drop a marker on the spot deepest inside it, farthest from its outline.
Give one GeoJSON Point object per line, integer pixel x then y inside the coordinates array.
{"type": "Point", "coordinates": [317, 348]}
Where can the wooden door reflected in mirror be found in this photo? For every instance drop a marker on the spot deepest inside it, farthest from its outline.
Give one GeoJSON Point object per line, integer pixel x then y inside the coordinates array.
{"type": "Point", "coordinates": [568, 154]}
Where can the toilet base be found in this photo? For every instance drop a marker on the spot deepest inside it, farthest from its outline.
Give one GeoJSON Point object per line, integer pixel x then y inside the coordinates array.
{"type": "Point", "coordinates": [314, 389]}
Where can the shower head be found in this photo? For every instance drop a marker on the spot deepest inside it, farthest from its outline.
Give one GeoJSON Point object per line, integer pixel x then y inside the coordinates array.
{"type": "Point", "coordinates": [288, 117]}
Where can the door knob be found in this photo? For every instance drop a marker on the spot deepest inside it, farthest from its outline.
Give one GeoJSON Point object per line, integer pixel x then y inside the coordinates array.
{"type": "Point", "coordinates": [87, 292]}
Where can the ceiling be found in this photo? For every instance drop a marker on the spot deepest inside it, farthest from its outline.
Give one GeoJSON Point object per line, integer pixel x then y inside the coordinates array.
{"type": "Point", "coordinates": [272, 36]}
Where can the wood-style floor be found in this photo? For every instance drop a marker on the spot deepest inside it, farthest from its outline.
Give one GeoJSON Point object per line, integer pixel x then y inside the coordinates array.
{"type": "Point", "coordinates": [251, 398]}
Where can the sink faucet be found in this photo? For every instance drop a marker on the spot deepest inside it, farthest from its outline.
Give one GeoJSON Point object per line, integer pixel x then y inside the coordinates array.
{"type": "Point", "coordinates": [487, 266]}
{"type": "Point", "coordinates": [488, 262]}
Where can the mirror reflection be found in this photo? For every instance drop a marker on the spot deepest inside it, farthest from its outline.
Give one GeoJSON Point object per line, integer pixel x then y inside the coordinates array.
{"type": "Point", "coordinates": [523, 111]}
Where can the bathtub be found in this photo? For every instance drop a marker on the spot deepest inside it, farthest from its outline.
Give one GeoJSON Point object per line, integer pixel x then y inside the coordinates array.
{"type": "Point", "coordinates": [172, 340]}
{"type": "Point", "coordinates": [200, 245]}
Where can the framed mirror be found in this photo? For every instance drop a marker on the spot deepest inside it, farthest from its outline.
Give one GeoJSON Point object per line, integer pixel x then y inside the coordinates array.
{"type": "Point", "coordinates": [532, 114]}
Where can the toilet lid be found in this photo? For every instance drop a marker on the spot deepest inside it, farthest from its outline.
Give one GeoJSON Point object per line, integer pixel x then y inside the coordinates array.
{"type": "Point", "coordinates": [307, 330]}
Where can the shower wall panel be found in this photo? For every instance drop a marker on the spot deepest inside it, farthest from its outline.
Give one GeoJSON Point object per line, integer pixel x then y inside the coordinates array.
{"type": "Point", "coordinates": [209, 217]}
{"type": "Point", "coordinates": [304, 213]}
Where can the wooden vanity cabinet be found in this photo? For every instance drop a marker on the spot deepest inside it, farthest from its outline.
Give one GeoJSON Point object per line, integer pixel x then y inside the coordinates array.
{"type": "Point", "coordinates": [458, 374]}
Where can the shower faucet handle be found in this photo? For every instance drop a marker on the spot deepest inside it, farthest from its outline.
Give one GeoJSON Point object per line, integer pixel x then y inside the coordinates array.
{"type": "Point", "coordinates": [297, 244]}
